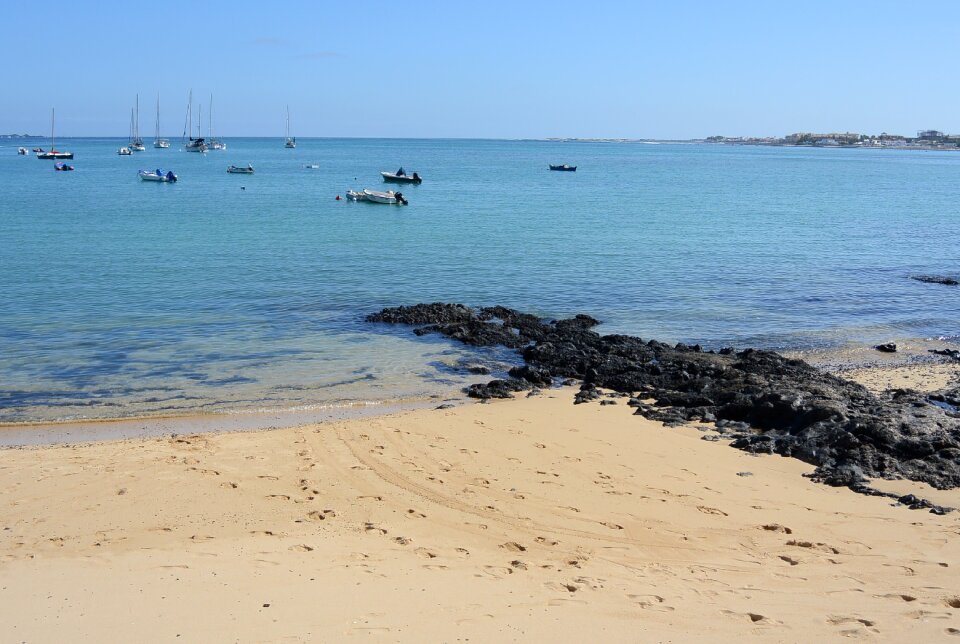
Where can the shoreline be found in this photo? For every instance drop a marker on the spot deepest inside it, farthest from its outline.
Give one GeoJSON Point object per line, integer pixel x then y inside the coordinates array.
{"type": "Point", "coordinates": [913, 366]}
{"type": "Point", "coordinates": [531, 519]}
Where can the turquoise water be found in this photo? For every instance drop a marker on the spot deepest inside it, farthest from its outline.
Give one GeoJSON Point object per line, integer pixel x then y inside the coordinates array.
{"type": "Point", "coordinates": [123, 298]}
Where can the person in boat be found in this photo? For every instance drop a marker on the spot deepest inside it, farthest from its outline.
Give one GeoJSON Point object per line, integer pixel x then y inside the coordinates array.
{"type": "Point", "coordinates": [170, 175]}
{"type": "Point", "coordinates": [401, 173]}
{"type": "Point", "coordinates": [159, 174]}
{"type": "Point", "coordinates": [416, 177]}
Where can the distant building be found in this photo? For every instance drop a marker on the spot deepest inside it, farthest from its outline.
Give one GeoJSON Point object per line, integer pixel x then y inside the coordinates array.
{"type": "Point", "coordinates": [931, 135]}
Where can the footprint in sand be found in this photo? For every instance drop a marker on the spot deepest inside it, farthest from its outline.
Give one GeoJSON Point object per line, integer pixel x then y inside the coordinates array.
{"type": "Point", "coordinates": [231, 485]}
{"type": "Point", "coordinates": [906, 598]}
{"type": "Point", "coordinates": [814, 546]}
{"type": "Point", "coordinates": [317, 515]}
{"type": "Point", "coordinates": [952, 602]}
{"type": "Point", "coordinates": [373, 498]}
{"type": "Point", "coordinates": [651, 602]}
{"type": "Point", "coordinates": [413, 514]}
{"type": "Point", "coordinates": [708, 510]}
{"type": "Point", "coordinates": [612, 526]}
{"type": "Point", "coordinates": [403, 541]}
{"type": "Point", "coordinates": [513, 546]}
{"type": "Point", "coordinates": [789, 560]}
{"type": "Point", "coordinates": [373, 529]}
{"type": "Point", "coordinates": [269, 477]}
{"type": "Point", "coordinates": [518, 565]}
{"type": "Point", "coordinates": [776, 527]}
{"type": "Point", "coordinates": [463, 552]}
{"type": "Point", "coordinates": [282, 497]}
{"type": "Point", "coordinates": [425, 553]}
{"type": "Point", "coordinates": [546, 542]}
{"type": "Point", "coordinates": [300, 548]}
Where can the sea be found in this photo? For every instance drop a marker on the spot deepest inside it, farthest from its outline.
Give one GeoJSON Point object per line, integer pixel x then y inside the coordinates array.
{"type": "Point", "coordinates": [244, 294]}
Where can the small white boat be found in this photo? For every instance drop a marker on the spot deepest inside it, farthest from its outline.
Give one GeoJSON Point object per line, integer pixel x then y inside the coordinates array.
{"type": "Point", "coordinates": [137, 146]}
{"type": "Point", "coordinates": [157, 175]}
{"type": "Point", "coordinates": [21, 151]}
{"type": "Point", "coordinates": [312, 166]}
{"type": "Point", "coordinates": [161, 143]}
{"type": "Point", "coordinates": [390, 197]}
{"type": "Point", "coordinates": [233, 169]}
{"type": "Point", "coordinates": [124, 151]}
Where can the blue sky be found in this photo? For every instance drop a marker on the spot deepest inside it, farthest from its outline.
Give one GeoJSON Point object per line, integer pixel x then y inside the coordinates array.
{"type": "Point", "coordinates": [679, 69]}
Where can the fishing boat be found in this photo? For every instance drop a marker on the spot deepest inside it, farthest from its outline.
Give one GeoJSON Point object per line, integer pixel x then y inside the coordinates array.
{"type": "Point", "coordinates": [401, 177]}
{"type": "Point", "coordinates": [124, 151]}
{"type": "Point", "coordinates": [234, 169]}
{"type": "Point", "coordinates": [157, 141]}
{"type": "Point", "coordinates": [212, 143]}
{"type": "Point", "coordinates": [22, 151]}
{"type": "Point", "coordinates": [291, 142]}
{"type": "Point", "coordinates": [564, 168]}
{"type": "Point", "coordinates": [62, 167]}
{"type": "Point", "coordinates": [374, 196]}
{"type": "Point", "coordinates": [191, 144]}
{"type": "Point", "coordinates": [157, 175]}
{"type": "Point", "coordinates": [38, 149]}
{"type": "Point", "coordinates": [53, 153]}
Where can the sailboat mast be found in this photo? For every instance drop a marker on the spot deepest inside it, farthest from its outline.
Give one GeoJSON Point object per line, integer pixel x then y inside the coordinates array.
{"type": "Point", "coordinates": [136, 124]}
{"type": "Point", "coordinates": [199, 120]}
{"type": "Point", "coordinates": [157, 138]}
{"type": "Point", "coordinates": [53, 115]}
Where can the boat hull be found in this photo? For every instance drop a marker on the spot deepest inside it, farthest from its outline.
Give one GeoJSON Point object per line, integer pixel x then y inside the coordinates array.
{"type": "Point", "coordinates": [157, 178]}
{"type": "Point", "coordinates": [389, 177]}
{"type": "Point", "coordinates": [564, 168]}
{"type": "Point", "coordinates": [235, 170]}
{"type": "Point", "coordinates": [55, 155]}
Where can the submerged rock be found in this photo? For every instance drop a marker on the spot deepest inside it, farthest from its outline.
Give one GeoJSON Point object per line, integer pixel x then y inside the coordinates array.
{"type": "Point", "coordinates": [888, 347]}
{"type": "Point", "coordinates": [936, 279]}
{"type": "Point", "coordinates": [764, 402]}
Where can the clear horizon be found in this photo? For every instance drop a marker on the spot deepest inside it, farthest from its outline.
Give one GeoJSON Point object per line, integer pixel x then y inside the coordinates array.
{"type": "Point", "coordinates": [501, 71]}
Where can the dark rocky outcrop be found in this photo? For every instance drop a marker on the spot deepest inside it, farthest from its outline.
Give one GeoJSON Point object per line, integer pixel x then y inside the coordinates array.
{"type": "Point", "coordinates": [887, 347]}
{"type": "Point", "coordinates": [762, 401]}
{"type": "Point", "coordinates": [936, 279]}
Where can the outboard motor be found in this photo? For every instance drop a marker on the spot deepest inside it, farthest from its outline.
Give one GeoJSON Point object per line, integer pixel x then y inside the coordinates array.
{"type": "Point", "coordinates": [400, 199]}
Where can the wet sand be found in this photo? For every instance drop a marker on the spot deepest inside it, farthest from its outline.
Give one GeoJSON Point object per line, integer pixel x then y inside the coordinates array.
{"type": "Point", "coordinates": [518, 520]}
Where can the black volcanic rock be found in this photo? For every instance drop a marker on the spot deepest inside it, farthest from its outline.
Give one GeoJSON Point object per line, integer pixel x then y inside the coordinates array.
{"type": "Point", "coordinates": [887, 347]}
{"type": "Point", "coordinates": [764, 402]}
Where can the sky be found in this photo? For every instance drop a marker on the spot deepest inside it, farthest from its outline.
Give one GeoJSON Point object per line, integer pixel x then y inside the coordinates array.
{"type": "Point", "coordinates": [523, 69]}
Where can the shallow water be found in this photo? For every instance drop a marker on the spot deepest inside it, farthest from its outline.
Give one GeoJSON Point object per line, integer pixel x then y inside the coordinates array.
{"type": "Point", "coordinates": [122, 298]}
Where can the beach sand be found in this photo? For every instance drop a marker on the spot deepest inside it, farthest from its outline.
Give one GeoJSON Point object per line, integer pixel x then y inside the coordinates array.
{"type": "Point", "coordinates": [521, 520]}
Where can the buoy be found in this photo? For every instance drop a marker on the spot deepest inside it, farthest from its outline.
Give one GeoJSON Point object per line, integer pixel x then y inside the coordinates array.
{"type": "Point", "coordinates": [338, 197]}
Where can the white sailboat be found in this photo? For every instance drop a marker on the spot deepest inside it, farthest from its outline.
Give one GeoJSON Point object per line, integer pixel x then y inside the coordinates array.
{"type": "Point", "coordinates": [52, 152]}
{"type": "Point", "coordinates": [291, 142]}
{"type": "Point", "coordinates": [157, 141]}
{"type": "Point", "coordinates": [191, 144]}
{"type": "Point", "coordinates": [136, 143]}
{"type": "Point", "coordinates": [215, 144]}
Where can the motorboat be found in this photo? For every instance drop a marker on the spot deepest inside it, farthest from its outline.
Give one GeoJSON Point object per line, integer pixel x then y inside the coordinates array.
{"type": "Point", "coordinates": [21, 151]}
{"type": "Point", "coordinates": [401, 177]}
{"type": "Point", "coordinates": [234, 169]}
{"type": "Point", "coordinates": [374, 196]}
{"type": "Point", "coordinates": [157, 175]}
{"type": "Point", "coordinates": [124, 151]}
{"type": "Point", "coordinates": [312, 166]}
{"type": "Point", "coordinates": [60, 166]}
{"type": "Point", "coordinates": [564, 168]}
{"type": "Point", "coordinates": [52, 153]}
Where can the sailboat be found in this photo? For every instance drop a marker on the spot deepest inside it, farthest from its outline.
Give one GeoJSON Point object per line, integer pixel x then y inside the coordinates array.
{"type": "Point", "coordinates": [157, 141]}
{"type": "Point", "coordinates": [291, 142]}
{"type": "Point", "coordinates": [192, 144]}
{"type": "Point", "coordinates": [125, 150]}
{"type": "Point", "coordinates": [215, 144]}
{"type": "Point", "coordinates": [52, 153]}
{"type": "Point", "coordinates": [136, 143]}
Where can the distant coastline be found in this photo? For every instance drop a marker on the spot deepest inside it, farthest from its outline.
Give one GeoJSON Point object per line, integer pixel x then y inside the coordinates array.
{"type": "Point", "coordinates": [5, 137]}
{"type": "Point", "coordinates": [924, 140]}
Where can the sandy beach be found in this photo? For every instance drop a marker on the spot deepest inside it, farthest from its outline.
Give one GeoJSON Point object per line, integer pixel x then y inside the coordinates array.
{"type": "Point", "coordinates": [512, 521]}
